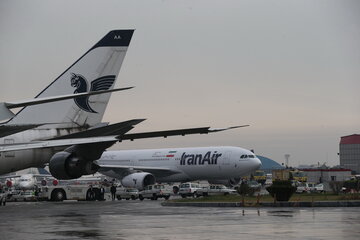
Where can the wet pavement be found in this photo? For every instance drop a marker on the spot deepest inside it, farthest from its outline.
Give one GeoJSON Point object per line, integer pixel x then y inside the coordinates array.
{"type": "Point", "coordinates": [149, 220]}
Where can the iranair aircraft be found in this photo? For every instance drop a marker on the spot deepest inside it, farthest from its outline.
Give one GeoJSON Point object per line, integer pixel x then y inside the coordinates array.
{"type": "Point", "coordinates": [139, 168]}
{"type": "Point", "coordinates": [69, 134]}
{"type": "Point", "coordinates": [70, 104]}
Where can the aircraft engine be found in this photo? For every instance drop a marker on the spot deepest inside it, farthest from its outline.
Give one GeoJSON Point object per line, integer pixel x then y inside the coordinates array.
{"type": "Point", "coordinates": [227, 182]}
{"type": "Point", "coordinates": [138, 180]}
{"type": "Point", "coordinates": [65, 165]}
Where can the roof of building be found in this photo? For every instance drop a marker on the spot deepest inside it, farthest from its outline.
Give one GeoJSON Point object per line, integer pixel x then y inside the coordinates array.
{"type": "Point", "coordinates": [326, 170]}
{"type": "Point", "coordinates": [267, 163]}
{"type": "Point", "coordinates": [351, 139]}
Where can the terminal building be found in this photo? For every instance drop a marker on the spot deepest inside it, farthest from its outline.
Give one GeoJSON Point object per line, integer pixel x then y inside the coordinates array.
{"type": "Point", "coordinates": [349, 151]}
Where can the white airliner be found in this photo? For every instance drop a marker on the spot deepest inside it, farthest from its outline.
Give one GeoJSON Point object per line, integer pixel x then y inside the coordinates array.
{"type": "Point", "coordinates": [25, 180]}
{"type": "Point", "coordinates": [96, 70]}
{"type": "Point", "coordinates": [68, 134]}
{"type": "Point", "coordinates": [139, 168]}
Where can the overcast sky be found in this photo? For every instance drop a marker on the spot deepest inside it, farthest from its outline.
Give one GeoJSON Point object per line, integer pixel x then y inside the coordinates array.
{"type": "Point", "coordinates": [290, 69]}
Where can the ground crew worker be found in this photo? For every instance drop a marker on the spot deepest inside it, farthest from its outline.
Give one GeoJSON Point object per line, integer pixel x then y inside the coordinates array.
{"type": "Point", "coordinates": [113, 192]}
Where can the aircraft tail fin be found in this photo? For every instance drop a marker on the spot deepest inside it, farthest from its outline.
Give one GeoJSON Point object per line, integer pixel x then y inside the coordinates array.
{"type": "Point", "coordinates": [96, 70]}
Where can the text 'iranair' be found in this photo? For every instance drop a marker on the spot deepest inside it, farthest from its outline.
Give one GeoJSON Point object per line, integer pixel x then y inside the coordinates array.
{"type": "Point", "coordinates": [199, 159]}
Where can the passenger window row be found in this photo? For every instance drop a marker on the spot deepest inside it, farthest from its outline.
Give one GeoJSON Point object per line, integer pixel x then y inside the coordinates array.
{"type": "Point", "coordinates": [247, 156]}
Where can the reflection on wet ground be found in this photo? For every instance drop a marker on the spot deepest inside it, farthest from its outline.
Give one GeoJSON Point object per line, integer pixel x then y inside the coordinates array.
{"type": "Point", "coordinates": [149, 220]}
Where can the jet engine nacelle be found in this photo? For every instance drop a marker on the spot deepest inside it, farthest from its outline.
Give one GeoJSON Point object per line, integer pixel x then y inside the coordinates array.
{"type": "Point", "coordinates": [227, 182]}
{"type": "Point", "coordinates": [138, 180]}
{"type": "Point", "coordinates": [65, 165]}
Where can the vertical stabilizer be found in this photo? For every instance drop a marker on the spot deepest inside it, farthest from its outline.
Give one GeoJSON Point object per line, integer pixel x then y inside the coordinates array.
{"type": "Point", "coordinates": [96, 70]}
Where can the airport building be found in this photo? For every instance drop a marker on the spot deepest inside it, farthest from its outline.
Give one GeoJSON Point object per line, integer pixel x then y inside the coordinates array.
{"type": "Point", "coordinates": [317, 175]}
{"type": "Point", "coordinates": [267, 164]}
{"type": "Point", "coordinates": [349, 152]}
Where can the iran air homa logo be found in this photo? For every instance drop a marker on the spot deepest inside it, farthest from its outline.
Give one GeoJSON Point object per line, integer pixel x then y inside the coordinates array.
{"type": "Point", "coordinates": [80, 83]}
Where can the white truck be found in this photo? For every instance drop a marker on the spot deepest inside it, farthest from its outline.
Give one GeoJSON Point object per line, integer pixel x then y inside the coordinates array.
{"type": "Point", "coordinates": [189, 189]}
{"type": "Point", "coordinates": [127, 193]}
{"type": "Point", "coordinates": [305, 187]}
{"type": "Point", "coordinates": [214, 190]}
{"type": "Point", "coordinates": [72, 192]}
{"type": "Point", "coordinates": [154, 192]}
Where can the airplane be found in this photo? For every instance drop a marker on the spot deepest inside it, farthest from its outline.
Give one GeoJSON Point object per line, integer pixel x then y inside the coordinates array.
{"type": "Point", "coordinates": [58, 110]}
{"type": "Point", "coordinates": [69, 134]}
{"type": "Point", "coordinates": [27, 182]}
{"type": "Point", "coordinates": [139, 168]}
{"type": "Point", "coordinates": [27, 179]}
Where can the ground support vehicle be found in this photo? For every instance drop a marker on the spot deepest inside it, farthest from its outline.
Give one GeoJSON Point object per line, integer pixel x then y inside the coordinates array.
{"type": "Point", "coordinates": [214, 190]}
{"type": "Point", "coordinates": [188, 189]}
{"type": "Point", "coordinates": [25, 196]}
{"type": "Point", "coordinates": [304, 187]}
{"type": "Point", "coordinates": [259, 176]}
{"type": "Point", "coordinates": [127, 193]}
{"type": "Point", "coordinates": [289, 174]}
{"type": "Point", "coordinates": [154, 192]}
{"type": "Point", "coordinates": [71, 192]}
{"type": "Point", "coordinates": [319, 188]}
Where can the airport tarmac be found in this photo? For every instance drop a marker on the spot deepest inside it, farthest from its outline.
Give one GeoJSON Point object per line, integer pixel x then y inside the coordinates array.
{"type": "Point", "coordinates": [149, 220]}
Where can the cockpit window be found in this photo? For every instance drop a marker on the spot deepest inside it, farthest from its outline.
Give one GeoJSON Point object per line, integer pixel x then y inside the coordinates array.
{"type": "Point", "coordinates": [247, 156]}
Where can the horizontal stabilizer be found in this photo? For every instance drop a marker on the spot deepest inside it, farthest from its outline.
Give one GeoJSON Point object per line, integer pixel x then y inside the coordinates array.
{"type": "Point", "coordinates": [36, 101]}
{"type": "Point", "coordinates": [5, 113]}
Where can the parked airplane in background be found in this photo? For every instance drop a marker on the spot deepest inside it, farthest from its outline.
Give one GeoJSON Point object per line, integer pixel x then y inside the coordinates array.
{"type": "Point", "coordinates": [139, 168]}
{"type": "Point", "coordinates": [25, 180]}
{"type": "Point", "coordinates": [69, 134]}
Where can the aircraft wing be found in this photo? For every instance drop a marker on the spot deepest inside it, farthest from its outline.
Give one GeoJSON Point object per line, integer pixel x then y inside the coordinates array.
{"type": "Point", "coordinates": [110, 133]}
{"type": "Point", "coordinates": [177, 132]}
{"type": "Point", "coordinates": [112, 129]}
{"type": "Point", "coordinates": [57, 143]}
{"type": "Point", "coordinates": [6, 130]}
{"type": "Point", "coordinates": [157, 171]}
{"type": "Point", "coordinates": [5, 113]}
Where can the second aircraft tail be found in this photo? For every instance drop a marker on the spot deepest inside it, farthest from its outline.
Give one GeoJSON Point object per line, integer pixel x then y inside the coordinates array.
{"type": "Point", "coordinates": [96, 70]}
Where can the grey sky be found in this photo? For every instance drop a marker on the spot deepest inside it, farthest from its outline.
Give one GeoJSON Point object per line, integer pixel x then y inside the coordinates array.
{"type": "Point", "coordinates": [290, 69]}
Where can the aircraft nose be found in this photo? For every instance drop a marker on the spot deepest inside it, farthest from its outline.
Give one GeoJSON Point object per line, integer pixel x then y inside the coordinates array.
{"type": "Point", "coordinates": [256, 163]}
